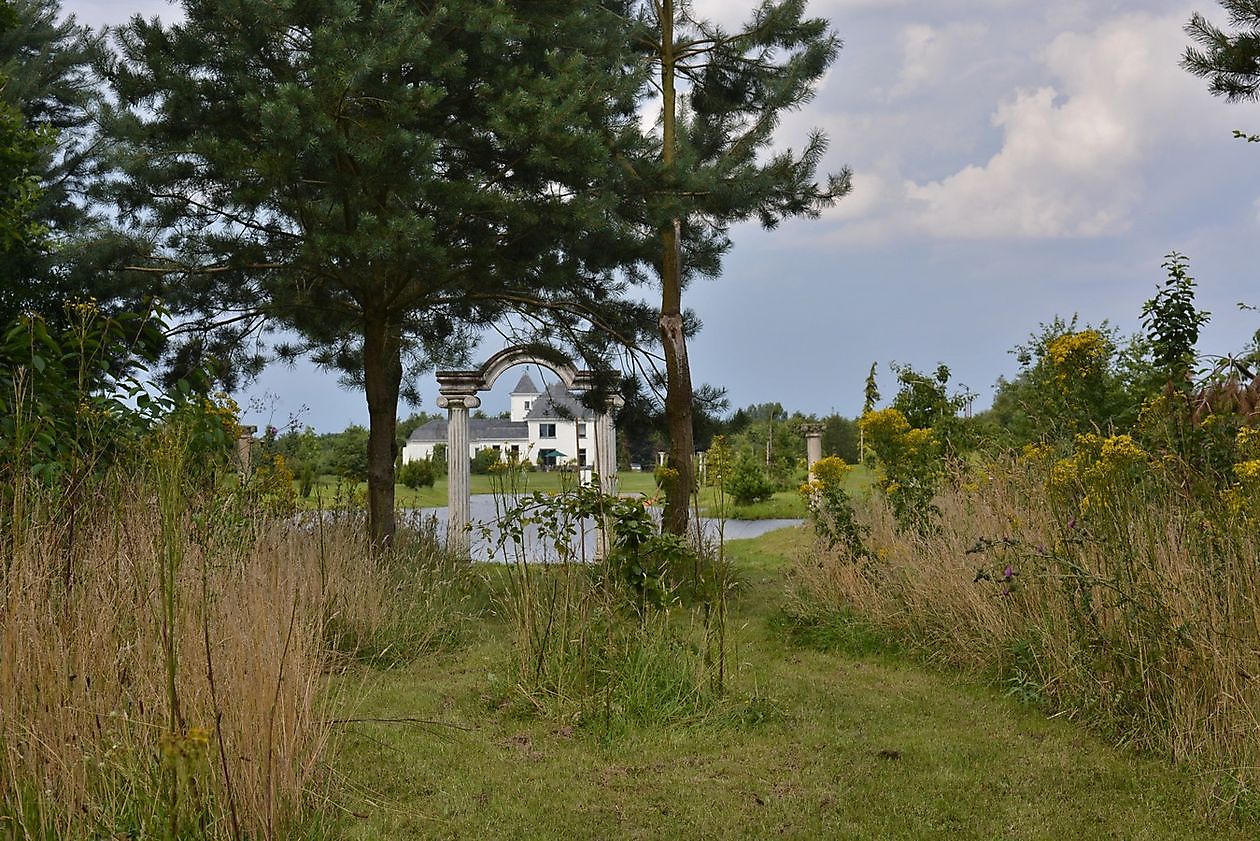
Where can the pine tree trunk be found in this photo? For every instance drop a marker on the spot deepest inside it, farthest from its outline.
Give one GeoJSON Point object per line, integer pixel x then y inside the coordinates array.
{"type": "Point", "coordinates": [678, 397]}
{"type": "Point", "coordinates": [382, 378]}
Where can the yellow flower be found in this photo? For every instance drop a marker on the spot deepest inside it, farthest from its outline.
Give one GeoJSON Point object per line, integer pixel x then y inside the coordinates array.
{"type": "Point", "coordinates": [1038, 453]}
{"type": "Point", "coordinates": [830, 471]}
{"type": "Point", "coordinates": [1248, 441]}
{"type": "Point", "coordinates": [884, 423]}
{"type": "Point", "coordinates": [1064, 474]}
{"type": "Point", "coordinates": [1120, 450]}
{"type": "Point", "coordinates": [1248, 471]}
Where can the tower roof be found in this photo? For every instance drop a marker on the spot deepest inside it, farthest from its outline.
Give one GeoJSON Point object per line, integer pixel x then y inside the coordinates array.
{"type": "Point", "coordinates": [526, 386]}
{"type": "Point", "coordinates": [558, 404]}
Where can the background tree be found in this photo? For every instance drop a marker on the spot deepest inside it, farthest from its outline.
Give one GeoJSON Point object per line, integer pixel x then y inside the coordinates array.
{"type": "Point", "coordinates": [47, 61]}
{"type": "Point", "coordinates": [21, 149]}
{"type": "Point", "coordinates": [870, 393]}
{"type": "Point", "coordinates": [1071, 380]}
{"type": "Point", "coordinates": [840, 438]}
{"type": "Point", "coordinates": [1172, 322]}
{"type": "Point", "coordinates": [379, 178]}
{"type": "Point", "coordinates": [641, 422]}
{"type": "Point", "coordinates": [722, 95]}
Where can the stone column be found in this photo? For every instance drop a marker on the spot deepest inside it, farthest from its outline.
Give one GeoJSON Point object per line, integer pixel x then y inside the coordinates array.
{"type": "Point", "coordinates": [245, 449]}
{"type": "Point", "coordinates": [605, 437]}
{"type": "Point", "coordinates": [606, 445]}
{"type": "Point", "coordinates": [813, 444]}
{"type": "Point", "coordinates": [457, 470]}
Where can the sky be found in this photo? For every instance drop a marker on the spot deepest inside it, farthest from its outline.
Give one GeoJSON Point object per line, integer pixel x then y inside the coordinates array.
{"type": "Point", "coordinates": [1013, 161]}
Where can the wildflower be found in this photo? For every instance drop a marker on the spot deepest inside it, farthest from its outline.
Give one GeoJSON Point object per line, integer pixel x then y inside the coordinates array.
{"type": "Point", "coordinates": [1038, 453]}
{"type": "Point", "coordinates": [1248, 471]}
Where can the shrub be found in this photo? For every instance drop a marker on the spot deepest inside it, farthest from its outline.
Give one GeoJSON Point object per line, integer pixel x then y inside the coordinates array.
{"type": "Point", "coordinates": [910, 466]}
{"type": "Point", "coordinates": [483, 461]}
{"type": "Point", "coordinates": [417, 474]}
{"type": "Point", "coordinates": [830, 507]}
{"type": "Point", "coordinates": [748, 482]}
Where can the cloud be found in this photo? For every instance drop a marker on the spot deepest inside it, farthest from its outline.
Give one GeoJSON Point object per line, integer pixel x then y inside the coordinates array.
{"type": "Point", "coordinates": [1072, 148]}
{"type": "Point", "coordinates": [98, 13]}
{"type": "Point", "coordinates": [930, 53]}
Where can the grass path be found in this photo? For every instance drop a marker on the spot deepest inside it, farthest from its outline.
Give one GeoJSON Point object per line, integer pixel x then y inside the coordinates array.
{"type": "Point", "coordinates": [861, 747]}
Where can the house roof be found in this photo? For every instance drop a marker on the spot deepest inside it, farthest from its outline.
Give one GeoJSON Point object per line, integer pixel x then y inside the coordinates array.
{"type": "Point", "coordinates": [479, 429]}
{"type": "Point", "coordinates": [526, 386]}
{"type": "Point", "coordinates": [557, 404]}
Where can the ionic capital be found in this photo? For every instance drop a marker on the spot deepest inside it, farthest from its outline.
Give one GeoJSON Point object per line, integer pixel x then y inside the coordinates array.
{"type": "Point", "coordinates": [458, 401]}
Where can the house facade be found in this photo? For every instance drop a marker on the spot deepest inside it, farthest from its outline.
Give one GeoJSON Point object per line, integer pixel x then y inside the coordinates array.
{"type": "Point", "coordinates": [549, 428]}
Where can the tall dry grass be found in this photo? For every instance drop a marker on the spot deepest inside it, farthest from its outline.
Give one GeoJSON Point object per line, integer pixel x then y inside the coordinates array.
{"type": "Point", "coordinates": [166, 652]}
{"type": "Point", "coordinates": [1140, 617]}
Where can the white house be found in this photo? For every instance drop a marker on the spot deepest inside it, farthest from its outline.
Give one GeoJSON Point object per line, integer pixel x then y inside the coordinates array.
{"type": "Point", "coordinates": [546, 427]}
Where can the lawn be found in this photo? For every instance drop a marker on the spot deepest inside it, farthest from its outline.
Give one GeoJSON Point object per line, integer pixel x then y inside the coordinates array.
{"type": "Point", "coordinates": [847, 743]}
{"type": "Point", "coordinates": [330, 491]}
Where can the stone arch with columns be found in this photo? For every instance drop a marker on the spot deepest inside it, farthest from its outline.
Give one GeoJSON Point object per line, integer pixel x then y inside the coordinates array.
{"type": "Point", "coordinates": [457, 394]}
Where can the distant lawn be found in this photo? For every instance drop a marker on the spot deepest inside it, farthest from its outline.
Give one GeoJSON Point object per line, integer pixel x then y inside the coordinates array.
{"type": "Point", "coordinates": [331, 491]}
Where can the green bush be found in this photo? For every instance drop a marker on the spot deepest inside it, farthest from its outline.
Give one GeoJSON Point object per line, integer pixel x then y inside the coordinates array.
{"type": "Point", "coordinates": [748, 482]}
{"type": "Point", "coordinates": [417, 474]}
{"type": "Point", "coordinates": [484, 460]}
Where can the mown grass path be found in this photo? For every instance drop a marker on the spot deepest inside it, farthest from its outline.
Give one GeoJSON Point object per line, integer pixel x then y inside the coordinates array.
{"type": "Point", "coordinates": [860, 747]}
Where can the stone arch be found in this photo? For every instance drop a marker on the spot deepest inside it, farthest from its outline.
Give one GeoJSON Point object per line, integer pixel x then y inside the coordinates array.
{"type": "Point", "coordinates": [499, 364]}
{"type": "Point", "coordinates": [457, 393]}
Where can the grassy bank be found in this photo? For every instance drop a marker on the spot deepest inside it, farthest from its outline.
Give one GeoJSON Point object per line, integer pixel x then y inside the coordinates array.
{"type": "Point", "coordinates": [837, 738]}
{"type": "Point", "coordinates": [1104, 587]}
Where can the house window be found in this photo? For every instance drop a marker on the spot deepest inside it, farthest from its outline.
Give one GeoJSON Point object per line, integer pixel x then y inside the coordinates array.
{"type": "Point", "coordinates": [527, 405]}
{"type": "Point", "coordinates": [581, 458]}
{"type": "Point", "coordinates": [581, 430]}
{"type": "Point", "coordinates": [546, 430]}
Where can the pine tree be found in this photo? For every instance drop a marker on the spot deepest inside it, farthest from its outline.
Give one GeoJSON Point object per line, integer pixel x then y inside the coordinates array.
{"type": "Point", "coordinates": [871, 393]}
{"type": "Point", "coordinates": [380, 178]}
{"type": "Point", "coordinates": [722, 96]}
{"type": "Point", "coordinates": [1230, 61]}
{"type": "Point", "coordinates": [46, 62]}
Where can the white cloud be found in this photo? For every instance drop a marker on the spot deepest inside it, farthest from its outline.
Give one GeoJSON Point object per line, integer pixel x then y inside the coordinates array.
{"type": "Point", "coordinates": [930, 54]}
{"type": "Point", "coordinates": [98, 13]}
{"type": "Point", "coordinates": [1072, 148]}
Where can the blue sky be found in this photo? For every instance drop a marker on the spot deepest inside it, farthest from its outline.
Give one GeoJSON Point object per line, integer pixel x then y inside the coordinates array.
{"type": "Point", "coordinates": [1013, 161]}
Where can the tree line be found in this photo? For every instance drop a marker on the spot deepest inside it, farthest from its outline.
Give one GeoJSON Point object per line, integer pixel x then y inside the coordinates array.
{"type": "Point", "coordinates": [369, 184]}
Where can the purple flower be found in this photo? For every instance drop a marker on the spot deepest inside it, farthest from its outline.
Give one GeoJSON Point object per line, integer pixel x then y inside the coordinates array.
{"type": "Point", "coordinates": [1072, 523]}
{"type": "Point", "coordinates": [1008, 573]}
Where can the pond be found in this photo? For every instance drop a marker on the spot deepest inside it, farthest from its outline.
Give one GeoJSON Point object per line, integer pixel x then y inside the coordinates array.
{"type": "Point", "coordinates": [486, 509]}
